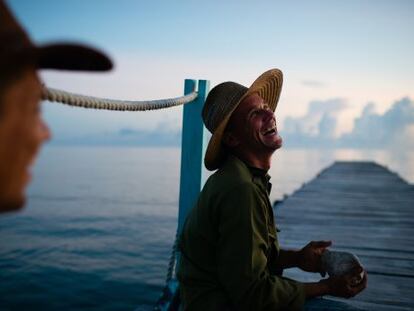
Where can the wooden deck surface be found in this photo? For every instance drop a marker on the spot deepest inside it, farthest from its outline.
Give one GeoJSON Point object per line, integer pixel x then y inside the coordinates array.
{"type": "Point", "coordinates": [365, 209]}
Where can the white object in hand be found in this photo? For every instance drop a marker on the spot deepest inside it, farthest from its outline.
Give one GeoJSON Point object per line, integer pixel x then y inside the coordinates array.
{"type": "Point", "coordinates": [340, 263]}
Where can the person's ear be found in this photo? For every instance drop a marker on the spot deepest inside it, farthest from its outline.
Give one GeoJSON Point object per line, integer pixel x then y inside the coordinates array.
{"type": "Point", "coordinates": [230, 140]}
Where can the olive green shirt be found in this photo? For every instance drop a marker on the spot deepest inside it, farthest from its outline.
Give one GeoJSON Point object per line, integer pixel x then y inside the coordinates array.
{"type": "Point", "coordinates": [229, 247]}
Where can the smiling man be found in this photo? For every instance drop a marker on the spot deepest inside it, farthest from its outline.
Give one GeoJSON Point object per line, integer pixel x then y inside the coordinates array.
{"type": "Point", "coordinates": [22, 129]}
{"type": "Point", "coordinates": [231, 259]}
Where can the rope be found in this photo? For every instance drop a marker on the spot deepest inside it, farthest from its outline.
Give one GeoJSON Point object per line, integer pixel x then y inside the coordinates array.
{"type": "Point", "coordinates": [77, 100]}
{"type": "Point", "coordinates": [172, 262]}
{"type": "Point", "coordinates": [166, 300]}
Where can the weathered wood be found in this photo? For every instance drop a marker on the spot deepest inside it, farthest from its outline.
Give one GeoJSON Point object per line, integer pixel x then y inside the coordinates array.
{"type": "Point", "coordinates": [193, 145]}
{"type": "Point", "coordinates": [367, 210]}
{"type": "Point", "coordinates": [192, 150]}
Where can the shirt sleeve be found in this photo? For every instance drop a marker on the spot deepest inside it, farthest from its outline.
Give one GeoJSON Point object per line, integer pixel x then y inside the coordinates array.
{"type": "Point", "coordinates": [243, 244]}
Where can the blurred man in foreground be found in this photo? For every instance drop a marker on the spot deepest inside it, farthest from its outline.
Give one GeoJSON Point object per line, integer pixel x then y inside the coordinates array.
{"type": "Point", "coordinates": [22, 129]}
{"type": "Point", "coordinates": [231, 259]}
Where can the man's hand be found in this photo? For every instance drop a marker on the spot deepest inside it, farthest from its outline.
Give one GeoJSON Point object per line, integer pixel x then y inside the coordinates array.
{"type": "Point", "coordinates": [309, 257]}
{"type": "Point", "coordinates": [346, 286]}
{"type": "Point", "coordinates": [340, 286]}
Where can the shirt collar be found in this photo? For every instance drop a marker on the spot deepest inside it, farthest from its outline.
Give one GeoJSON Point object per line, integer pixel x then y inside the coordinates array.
{"type": "Point", "coordinates": [261, 177]}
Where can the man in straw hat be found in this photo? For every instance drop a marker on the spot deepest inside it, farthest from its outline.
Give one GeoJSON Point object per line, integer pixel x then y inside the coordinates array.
{"type": "Point", "coordinates": [231, 258]}
{"type": "Point", "coordinates": [22, 130]}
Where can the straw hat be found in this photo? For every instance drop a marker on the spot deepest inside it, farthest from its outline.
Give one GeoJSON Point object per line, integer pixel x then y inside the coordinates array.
{"type": "Point", "coordinates": [224, 99]}
{"type": "Point", "coordinates": [18, 51]}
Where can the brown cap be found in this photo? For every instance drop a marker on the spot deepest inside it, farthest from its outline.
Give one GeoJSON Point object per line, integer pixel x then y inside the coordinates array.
{"type": "Point", "coordinates": [16, 50]}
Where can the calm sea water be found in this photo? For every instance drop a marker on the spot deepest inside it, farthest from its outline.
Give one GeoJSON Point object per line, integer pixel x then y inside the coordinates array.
{"type": "Point", "coordinates": [98, 228]}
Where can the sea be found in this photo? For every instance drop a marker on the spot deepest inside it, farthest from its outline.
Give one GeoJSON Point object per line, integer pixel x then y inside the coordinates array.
{"type": "Point", "coordinates": [99, 223]}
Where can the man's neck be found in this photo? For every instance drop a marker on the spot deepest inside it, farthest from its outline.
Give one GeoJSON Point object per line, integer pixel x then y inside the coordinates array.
{"type": "Point", "coordinates": [262, 162]}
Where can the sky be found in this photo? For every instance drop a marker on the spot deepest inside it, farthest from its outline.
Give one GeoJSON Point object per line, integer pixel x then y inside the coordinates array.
{"type": "Point", "coordinates": [345, 63]}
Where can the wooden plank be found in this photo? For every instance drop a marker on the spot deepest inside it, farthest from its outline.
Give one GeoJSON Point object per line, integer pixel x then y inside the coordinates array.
{"type": "Point", "coordinates": [365, 209]}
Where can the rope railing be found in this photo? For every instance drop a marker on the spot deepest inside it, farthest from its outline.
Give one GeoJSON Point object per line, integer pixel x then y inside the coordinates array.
{"type": "Point", "coordinates": [77, 100]}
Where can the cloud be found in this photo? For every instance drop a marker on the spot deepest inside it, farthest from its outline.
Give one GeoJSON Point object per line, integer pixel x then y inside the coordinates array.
{"type": "Point", "coordinates": [318, 123]}
{"type": "Point", "coordinates": [313, 83]}
{"type": "Point", "coordinates": [317, 128]}
{"type": "Point", "coordinates": [161, 136]}
{"type": "Point", "coordinates": [393, 129]}
{"type": "Point", "coordinates": [134, 137]}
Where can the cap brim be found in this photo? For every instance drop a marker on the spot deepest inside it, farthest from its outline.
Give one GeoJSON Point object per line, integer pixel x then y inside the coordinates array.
{"type": "Point", "coordinates": [71, 57]}
{"type": "Point", "coordinates": [269, 86]}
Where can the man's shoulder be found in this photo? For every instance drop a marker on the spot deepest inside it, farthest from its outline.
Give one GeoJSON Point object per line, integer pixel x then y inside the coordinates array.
{"type": "Point", "coordinates": [232, 180]}
{"type": "Point", "coordinates": [233, 174]}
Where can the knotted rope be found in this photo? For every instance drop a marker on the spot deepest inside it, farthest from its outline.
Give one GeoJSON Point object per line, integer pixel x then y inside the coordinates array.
{"type": "Point", "coordinates": [77, 100]}
{"type": "Point", "coordinates": [168, 297]}
{"type": "Point", "coordinates": [173, 261]}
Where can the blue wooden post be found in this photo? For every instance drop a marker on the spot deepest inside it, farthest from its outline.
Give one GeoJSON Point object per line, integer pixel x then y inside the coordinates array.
{"type": "Point", "coordinates": [193, 146]}
{"type": "Point", "coordinates": [192, 150]}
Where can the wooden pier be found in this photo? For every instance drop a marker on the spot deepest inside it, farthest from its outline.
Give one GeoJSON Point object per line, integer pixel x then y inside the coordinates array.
{"type": "Point", "coordinates": [364, 209]}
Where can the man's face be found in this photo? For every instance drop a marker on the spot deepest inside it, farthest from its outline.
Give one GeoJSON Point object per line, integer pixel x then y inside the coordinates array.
{"type": "Point", "coordinates": [253, 125]}
{"type": "Point", "coordinates": [22, 132]}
